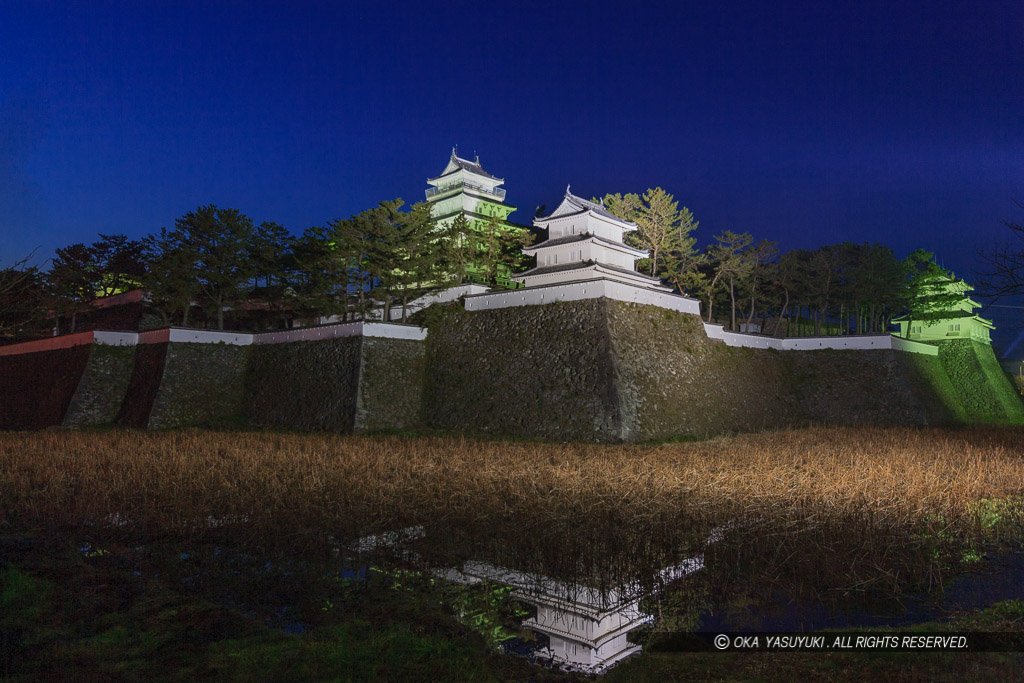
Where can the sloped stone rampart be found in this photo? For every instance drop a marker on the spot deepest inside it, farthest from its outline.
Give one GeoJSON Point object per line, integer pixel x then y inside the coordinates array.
{"type": "Point", "coordinates": [304, 385]}
{"type": "Point", "coordinates": [201, 384]}
{"type": "Point", "coordinates": [535, 371]}
{"type": "Point", "coordinates": [103, 386]}
{"type": "Point", "coordinates": [390, 384]}
{"type": "Point", "coordinates": [933, 388]}
{"type": "Point", "coordinates": [608, 370]}
{"type": "Point", "coordinates": [854, 387]}
{"type": "Point", "coordinates": [591, 370]}
{"type": "Point", "coordinates": [981, 385]}
{"type": "Point", "coordinates": [672, 380]}
{"type": "Point", "coordinates": [147, 373]}
{"type": "Point", "coordinates": [345, 384]}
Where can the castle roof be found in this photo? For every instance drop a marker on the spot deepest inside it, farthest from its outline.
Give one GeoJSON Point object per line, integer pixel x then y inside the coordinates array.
{"type": "Point", "coordinates": [582, 237]}
{"type": "Point", "coordinates": [572, 206]}
{"type": "Point", "coordinates": [580, 265]}
{"type": "Point", "coordinates": [457, 163]}
{"type": "Point", "coordinates": [938, 316]}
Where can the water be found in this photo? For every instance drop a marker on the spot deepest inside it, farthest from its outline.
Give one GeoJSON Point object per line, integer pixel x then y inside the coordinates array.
{"type": "Point", "coordinates": [996, 579]}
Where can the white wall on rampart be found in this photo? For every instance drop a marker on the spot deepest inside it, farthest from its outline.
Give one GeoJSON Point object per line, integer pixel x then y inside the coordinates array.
{"type": "Point", "coordinates": [477, 298]}
{"type": "Point", "coordinates": [578, 291]}
{"type": "Point", "coordinates": [849, 343]}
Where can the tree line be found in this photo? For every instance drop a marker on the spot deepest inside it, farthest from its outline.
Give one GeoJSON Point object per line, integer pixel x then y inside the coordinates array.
{"type": "Point", "coordinates": [215, 263]}
{"type": "Point", "coordinates": [842, 288]}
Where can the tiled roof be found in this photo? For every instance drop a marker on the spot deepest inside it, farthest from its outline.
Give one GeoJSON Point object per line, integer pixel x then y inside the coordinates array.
{"type": "Point", "coordinates": [547, 270]}
{"type": "Point", "coordinates": [592, 206]}
{"type": "Point", "coordinates": [472, 166]}
{"type": "Point", "coordinates": [559, 241]}
{"type": "Point", "coordinates": [575, 265]}
{"type": "Point", "coordinates": [627, 271]}
{"type": "Point", "coordinates": [466, 165]}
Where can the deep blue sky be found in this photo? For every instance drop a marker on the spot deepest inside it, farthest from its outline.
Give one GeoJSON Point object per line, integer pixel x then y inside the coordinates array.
{"type": "Point", "coordinates": [810, 123]}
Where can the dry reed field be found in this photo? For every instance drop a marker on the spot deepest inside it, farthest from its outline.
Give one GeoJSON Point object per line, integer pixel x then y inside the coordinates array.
{"type": "Point", "coordinates": [849, 507]}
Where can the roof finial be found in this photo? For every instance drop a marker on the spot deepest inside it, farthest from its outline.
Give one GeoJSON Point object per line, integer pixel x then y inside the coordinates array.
{"type": "Point", "coordinates": [476, 158]}
{"type": "Point", "coordinates": [455, 150]}
{"type": "Point", "coordinates": [567, 190]}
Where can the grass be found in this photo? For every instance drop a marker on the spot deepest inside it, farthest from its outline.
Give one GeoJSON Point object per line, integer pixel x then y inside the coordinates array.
{"type": "Point", "coordinates": [834, 513]}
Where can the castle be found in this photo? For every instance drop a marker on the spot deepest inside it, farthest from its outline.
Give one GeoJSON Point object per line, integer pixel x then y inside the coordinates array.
{"type": "Point", "coordinates": [587, 349]}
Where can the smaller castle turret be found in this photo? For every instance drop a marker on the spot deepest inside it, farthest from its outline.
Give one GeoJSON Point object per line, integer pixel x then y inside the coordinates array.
{"type": "Point", "coordinates": [584, 242]}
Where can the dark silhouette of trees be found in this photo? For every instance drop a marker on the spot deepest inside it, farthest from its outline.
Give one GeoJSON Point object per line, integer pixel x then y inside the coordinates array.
{"type": "Point", "coordinates": [390, 254]}
{"type": "Point", "coordinates": [217, 240]}
{"type": "Point", "coordinates": [170, 276]}
{"type": "Point", "coordinates": [1003, 273]}
{"type": "Point", "coordinates": [23, 298]}
{"type": "Point", "coordinates": [79, 273]}
{"type": "Point", "coordinates": [730, 263]}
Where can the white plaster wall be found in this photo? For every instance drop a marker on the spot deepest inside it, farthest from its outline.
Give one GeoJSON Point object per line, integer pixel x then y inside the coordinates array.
{"type": "Point", "coordinates": [603, 228]}
{"type": "Point", "coordinates": [443, 296]}
{"type": "Point", "coordinates": [383, 330]}
{"type": "Point", "coordinates": [587, 222]}
{"type": "Point", "coordinates": [914, 347]}
{"type": "Point", "coordinates": [182, 335]}
{"type": "Point", "coordinates": [578, 291]}
{"type": "Point", "coordinates": [852, 343]}
{"type": "Point", "coordinates": [115, 338]}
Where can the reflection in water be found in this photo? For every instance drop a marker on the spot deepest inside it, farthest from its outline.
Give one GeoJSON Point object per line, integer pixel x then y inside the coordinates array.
{"type": "Point", "coordinates": [585, 629]}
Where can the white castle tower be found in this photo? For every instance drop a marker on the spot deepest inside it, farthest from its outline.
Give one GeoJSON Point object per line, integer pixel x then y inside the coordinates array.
{"type": "Point", "coordinates": [584, 242]}
{"type": "Point", "coordinates": [465, 188]}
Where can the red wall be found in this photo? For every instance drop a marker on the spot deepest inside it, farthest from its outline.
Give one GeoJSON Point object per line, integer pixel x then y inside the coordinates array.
{"type": "Point", "coordinates": [36, 388]}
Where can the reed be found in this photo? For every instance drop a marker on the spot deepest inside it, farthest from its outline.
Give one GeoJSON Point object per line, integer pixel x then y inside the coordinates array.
{"type": "Point", "coordinates": [862, 506]}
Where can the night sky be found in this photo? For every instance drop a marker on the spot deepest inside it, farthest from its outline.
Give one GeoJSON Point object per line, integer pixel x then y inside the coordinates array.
{"type": "Point", "coordinates": [808, 124]}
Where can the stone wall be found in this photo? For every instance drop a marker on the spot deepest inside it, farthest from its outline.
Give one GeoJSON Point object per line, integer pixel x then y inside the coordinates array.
{"type": "Point", "coordinates": [537, 371]}
{"type": "Point", "coordinates": [854, 387]}
{"type": "Point", "coordinates": [147, 373]}
{"type": "Point", "coordinates": [672, 380]}
{"type": "Point", "coordinates": [102, 387]}
{"type": "Point", "coordinates": [390, 384]}
{"type": "Point", "coordinates": [344, 384]}
{"type": "Point", "coordinates": [608, 370]}
{"type": "Point", "coordinates": [979, 382]}
{"type": "Point", "coordinates": [201, 384]}
{"type": "Point", "coordinates": [304, 385]}
{"type": "Point", "coordinates": [37, 388]}
{"type": "Point", "coordinates": [594, 370]}
{"type": "Point", "coordinates": [933, 388]}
